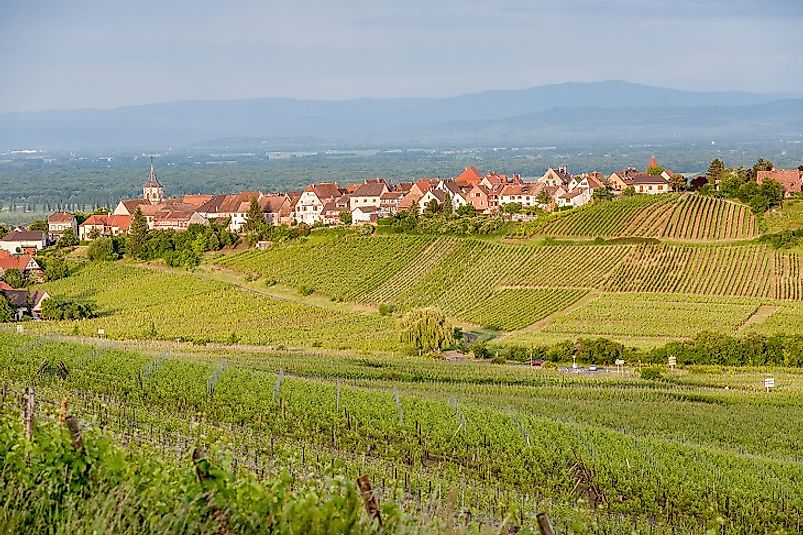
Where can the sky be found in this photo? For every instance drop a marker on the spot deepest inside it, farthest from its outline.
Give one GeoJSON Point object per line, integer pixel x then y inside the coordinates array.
{"type": "Point", "coordinates": [107, 53]}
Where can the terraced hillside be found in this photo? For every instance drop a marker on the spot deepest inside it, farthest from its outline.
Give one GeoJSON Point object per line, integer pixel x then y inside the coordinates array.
{"type": "Point", "coordinates": [510, 287]}
{"type": "Point", "coordinates": [671, 216]}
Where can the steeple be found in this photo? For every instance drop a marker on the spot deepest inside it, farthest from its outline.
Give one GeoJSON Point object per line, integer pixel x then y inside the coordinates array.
{"type": "Point", "coordinates": [652, 163]}
{"type": "Point", "coordinates": [152, 190]}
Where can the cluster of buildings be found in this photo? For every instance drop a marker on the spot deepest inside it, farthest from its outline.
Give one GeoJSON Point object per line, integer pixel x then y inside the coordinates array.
{"type": "Point", "coordinates": [325, 203]}
{"type": "Point", "coordinates": [329, 203]}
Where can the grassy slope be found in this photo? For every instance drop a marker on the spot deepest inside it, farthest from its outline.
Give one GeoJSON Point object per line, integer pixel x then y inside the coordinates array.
{"type": "Point", "coordinates": [510, 287]}
{"type": "Point", "coordinates": [135, 302]}
{"type": "Point", "coordinates": [681, 446]}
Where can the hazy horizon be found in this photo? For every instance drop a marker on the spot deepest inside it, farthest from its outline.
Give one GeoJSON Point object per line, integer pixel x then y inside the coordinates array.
{"type": "Point", "coordinates": [99, 55]}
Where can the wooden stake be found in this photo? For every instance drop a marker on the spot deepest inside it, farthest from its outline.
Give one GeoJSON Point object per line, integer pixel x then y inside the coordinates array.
{"type": "Point", "coordinates": [75, 433]}
{"type": "Point", "coordinates": [544, 525]}
{"type": "Point", "coordinates": [63, 412]}
{"type": "Point", "coordinates": [369, 499]}
{"type": "Point", "coordinates": [29, 399]}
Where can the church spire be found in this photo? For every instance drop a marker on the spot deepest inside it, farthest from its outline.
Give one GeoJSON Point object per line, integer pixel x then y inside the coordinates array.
{"type": "Point", "coordinates": [152, 190]}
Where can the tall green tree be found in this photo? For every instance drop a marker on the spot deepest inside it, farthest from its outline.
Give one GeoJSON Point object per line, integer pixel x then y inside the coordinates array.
{"type": "Point", "coordinates": [677, 182]}
{"type": "Point", "coordinates": [39, 224]}
{"type": "Point", "coordinates": [254, 218]}
{"type": "Point", "coordinates": [426, 329]}
{"type": "Point", "coordinates": [715, 171]}
{"type": "Point", "coordinates": [137, 242]}
{"type": "Point", "coordinates": [56, 268]}
{"type": "Point", "coordinates": [14, 278]}
{"type": "Point", "coordinates": [68, 239]}
{"type": "Point", "coordinates": [6, 310]}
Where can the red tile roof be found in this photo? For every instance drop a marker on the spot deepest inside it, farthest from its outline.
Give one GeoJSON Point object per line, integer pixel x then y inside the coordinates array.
{"type": "Point", "coordinates": [790, 179]}
{"type": "Point", "coordinates": [469, 175]}
{"type": "Point", "coordinates": [60, 217]}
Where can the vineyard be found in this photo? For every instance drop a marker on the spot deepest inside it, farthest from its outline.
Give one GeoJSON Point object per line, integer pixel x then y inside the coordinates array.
{"type": "Point", "coordinates": [509, 287]}
{"type": "Point", "coordinates": [671, 216]}
{"type": "Point", "coordinates": [447, 447]}
{"type": "Point", "coordinates": [143, 303]}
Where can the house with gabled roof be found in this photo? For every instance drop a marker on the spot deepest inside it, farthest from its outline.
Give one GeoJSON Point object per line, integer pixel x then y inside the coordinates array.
{"type": "Point", "coordinates": [25, 263]}
{"type": "Point", "coordinates": [437, 195]}
{"type": "Point", "coordinates": [24, 302]}
{"type": "Point", "coordinates": [104, 225]}
{"type": "Point", "coordinates": [58, 223]}
{"type": "Point", "coordinates": [790, 179]}
{"type": "Point", "coordinates": [390, 202]}
{"type": "Point", "coordinates": [23, 241]}
{"type": "Point", "coordinates": [470, 176]}
{"type": "Point", "coordinates": [361, 215]}
{"type": "Point", "coordinates": [368, 194]}
{"type": "Point", "coordinates": [310, 204]}
{"type": "Point", "coordinates": [271, 207]}
{"type": "Point", "coordinates": [556, 177]}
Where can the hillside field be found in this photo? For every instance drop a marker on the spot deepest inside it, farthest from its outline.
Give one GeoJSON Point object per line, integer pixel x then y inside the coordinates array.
{"type": "Point", "coordinates": [662, 290]}
{"type": "Point", "coordinates": [447, 446]}
{"type": "Point", "coordinates": [684, 217]}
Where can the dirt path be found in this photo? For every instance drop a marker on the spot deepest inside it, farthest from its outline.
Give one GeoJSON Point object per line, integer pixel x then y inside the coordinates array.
{"type": "Point", "coordinates": [759, 315]}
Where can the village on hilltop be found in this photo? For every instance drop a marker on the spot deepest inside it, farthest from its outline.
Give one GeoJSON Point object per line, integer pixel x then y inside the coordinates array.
{"type": "Point", "coordinates": [330, 204]}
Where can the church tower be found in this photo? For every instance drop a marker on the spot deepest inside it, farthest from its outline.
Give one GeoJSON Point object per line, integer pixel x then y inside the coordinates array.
{"type": "Point", "coordinates": [152, 191]}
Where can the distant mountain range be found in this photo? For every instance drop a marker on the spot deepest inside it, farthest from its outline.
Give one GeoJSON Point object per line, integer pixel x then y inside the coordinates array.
{"type": "Point", "coordinates": [619, 111]}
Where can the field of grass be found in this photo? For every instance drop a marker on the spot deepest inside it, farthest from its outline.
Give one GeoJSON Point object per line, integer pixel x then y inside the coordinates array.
{"type": "Point", "coordinates": [670, 216]}
{"type": "Point", "coordinates": [787, 217]}
{"type": "Point", "coordinates": [137, 302]}
{"type": "Point", "coordinates": [450, 443]}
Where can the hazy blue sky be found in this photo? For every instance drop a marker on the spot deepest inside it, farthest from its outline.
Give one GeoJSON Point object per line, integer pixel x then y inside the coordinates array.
{"type": "Point", "coordinates": [69, 54]}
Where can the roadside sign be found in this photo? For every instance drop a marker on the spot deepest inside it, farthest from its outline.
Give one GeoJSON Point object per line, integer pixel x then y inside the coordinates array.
{"type": "Point", "coordinates": [20, 329]}
{"type": "Point", "coordinates": [673, 361]}
{"type": "Point", "coordinates": [619, 365]}
{"type": "Point", "coordinates": [101, 332]}
{"type": "Point", "coordinates": [769, 382]}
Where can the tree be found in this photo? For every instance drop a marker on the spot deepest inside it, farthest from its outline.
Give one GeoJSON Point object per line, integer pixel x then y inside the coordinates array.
{"type": "Point", "coordinates": [56, 268]}
{"type": "Point", "coordinates": [466, 210]}
{"type": "Point", "coordinates": [432, 208]}
{"type": "Point", "coordinates": [677, 182]}
{"type": "Point", "coordinates": [345, 217]}
{"type": "Point", "coordinates": [655, 171]}
{"type": "Point", "coordinates": [511, 208]}
{"type": "Point", "coordinates": [629, 191]}
{"type": "Point", "coordinates": [14, 278]}
{"type": "Point", "coordinates": [254, 218]}
{"type": "Point", "coordinates": [68, 239]}
{"type": "Point", "coordinates": [426, 329]}
{"type": "Point", "coordinates": [6, 310]}
{"type": "Point", "coordinates": [137, 242]}
{"type": "Point", "coordinates": [773, 191]}
{"type": "Point", "coordinates": [101, 250]}
{"type": "Point", "coordinates": [715, 171]}
{"type": "Point", "coordinates": [760, 165]}
{"type": "Point", "coordinates": [447, 204]}
{"type": "Point", "coordinates": [39, 224]}
{"type": "Point", "coordinates": [602, 195]}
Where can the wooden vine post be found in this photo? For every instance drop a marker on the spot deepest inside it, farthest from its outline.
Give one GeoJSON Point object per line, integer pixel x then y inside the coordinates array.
{"type": "Point", "coordinates": [544, 525]}
{"type": "Point", "coordinates": [28, 409]}
{"type": "Point", "coordinates": [369, 499]}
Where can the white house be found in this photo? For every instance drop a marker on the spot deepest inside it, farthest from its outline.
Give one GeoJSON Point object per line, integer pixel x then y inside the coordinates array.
{"type": "Point", "coordinates": [58, 223]}
{"type": "Point", "coordinates": [19, 241]}
{"type": "Point", "coordinates": [309, 207]}
{"type": "Point", "coordinates": [364, 214]}
{"type": "Point", "coordinates": [368, 194]}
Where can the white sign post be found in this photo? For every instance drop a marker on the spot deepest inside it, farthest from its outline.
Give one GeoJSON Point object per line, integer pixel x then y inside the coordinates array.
{"type": "Point", "coordinates": [769, 382]}
{"type": "Point", "coordinates": [20, 329]}
{"type": "Point", "coordinates": [620, 366]}
{"type": "Point", "coordinates": [673, 361]}
{"type": "Point", "coordinates": [102, 333]}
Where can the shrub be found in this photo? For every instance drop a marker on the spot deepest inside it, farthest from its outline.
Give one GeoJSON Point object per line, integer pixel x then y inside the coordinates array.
{"type": "Point", "coordinates": [652, 374]}
{"type": "Point", "coordinates": [305, 290]}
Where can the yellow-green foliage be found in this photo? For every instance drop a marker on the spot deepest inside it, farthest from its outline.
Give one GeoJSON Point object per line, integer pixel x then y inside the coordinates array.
{"type": "Point", "coordinates": [670, 216]}
{"type": "Point", "coordinates": [143, 303]}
